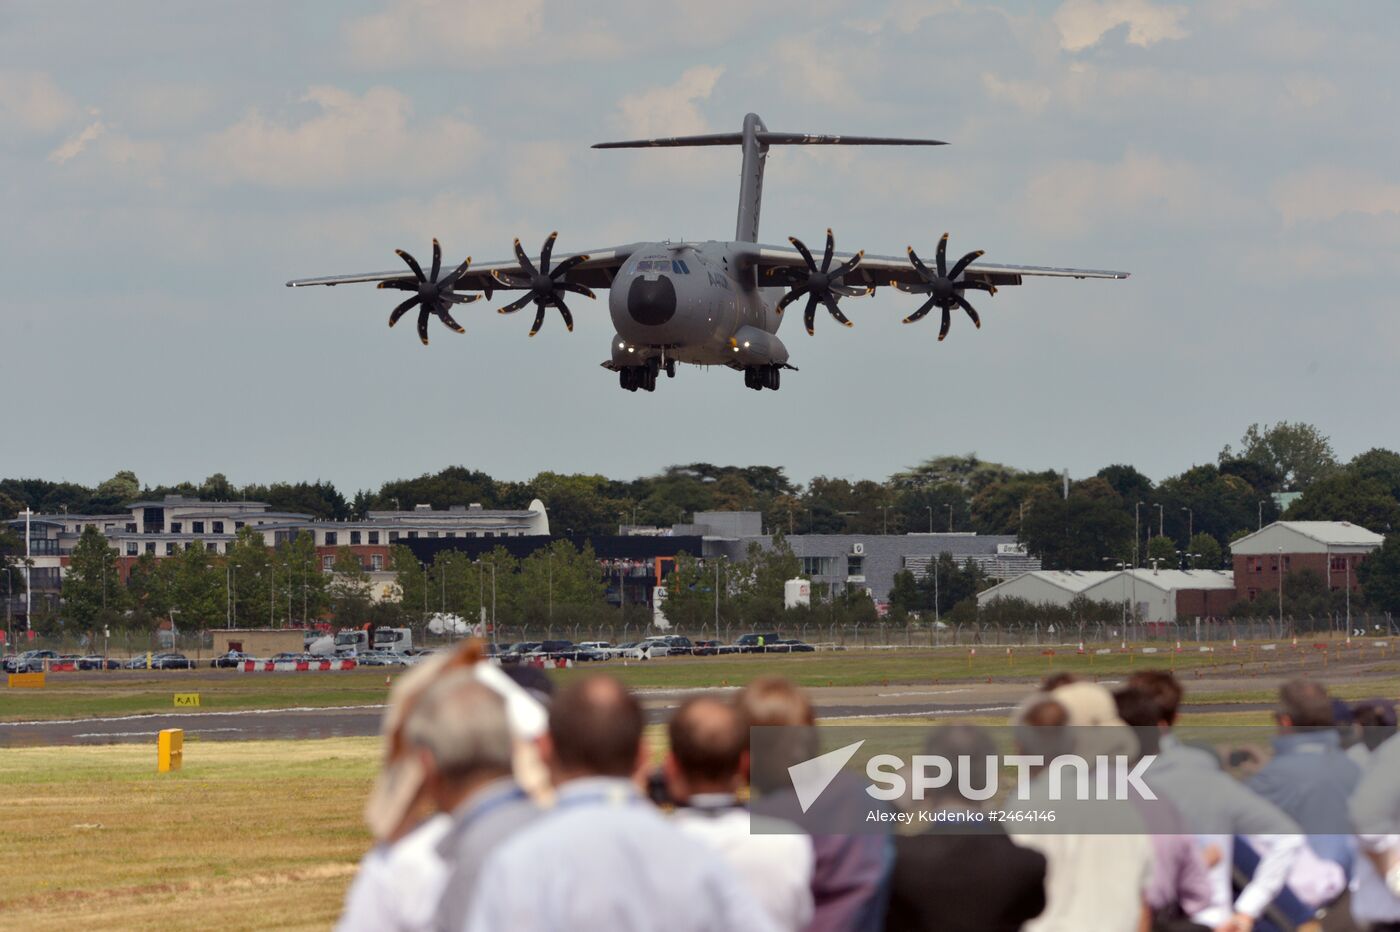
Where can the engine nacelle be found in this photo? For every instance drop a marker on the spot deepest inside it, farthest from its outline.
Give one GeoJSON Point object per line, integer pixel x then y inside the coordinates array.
{"type": "Point", "coordinates": [753, 347]}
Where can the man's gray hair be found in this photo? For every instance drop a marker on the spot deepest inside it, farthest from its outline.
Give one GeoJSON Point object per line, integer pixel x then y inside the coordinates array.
{"type": "Point", "coordinates": [463, 724]}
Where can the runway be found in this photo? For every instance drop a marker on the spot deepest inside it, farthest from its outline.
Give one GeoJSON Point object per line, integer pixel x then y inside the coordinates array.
{"type": "Point", "coordinates": [363, 720]}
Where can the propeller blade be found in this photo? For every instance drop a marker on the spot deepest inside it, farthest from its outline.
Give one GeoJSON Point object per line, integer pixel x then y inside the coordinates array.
{"type": "Point", "coordinates": [802, 248]}
{"type": "Point", "coordinates": [454, 297]}
{"type": "Point", "coordinates": [977, 285]}
{"type": "Point", "coordinates": [539, 318]}
{"type": "Point", "coordinates": [788, 298]}
{"type": "Point", "coordinates": [835, 310]}
{"type": "Point", "coordinates": [458, 272]}
{"type": "Point", "coordinates": [564, 313]}
{"type": "Point", "coordinates": [412, 264]}
{"type": "Point", "coordinates": [943, 329]}
{"type": "Point", "coordinates": [423, 324]}
{"type": "Point", "coordinates": [830, 248]}
{"type": "Point", "coordinates": [912, 289]}
{"type": "Point", "coordinates": [850, 265]}
{"type": "Point", "coordinates": [437, 260]}
{"type": "Point", "coordinates": [971, 311]}
{"type": "Point", "coordinates": [809, 316]}
{"type": "Point", "coordinates": [511, 280]}
{"type": "Point", "coordinates": [399, 284]}
{"type": "Point", "coordinates": [402, 309]}
{"type": "Point", "coordinates": [516, 305]}
{"type": "Point", "coordinates": [852, 291]}
{"type": "Point", "coordinates": [446, 318]}
{"type": "Point", "coordinates": [964, 262]}
{"type": "Point", "coordinates": [567, 265]}
{"type": "Point", "coordinates": [575, 288]}
{"type": "Point", "coordinates": [546, 251]}
{"type": "Point", "coordinates": [523, 259]}
{"type": "Point", "coordinates": [943, 256]}
{"type": "Point", "coordinates": [919, 264]}
{"type": "Point", "coordinates": [922, 312]}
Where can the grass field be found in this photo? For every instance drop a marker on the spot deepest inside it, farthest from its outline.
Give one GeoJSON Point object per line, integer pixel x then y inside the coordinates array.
{"type": "Point", "coordinates": [261, 834]}
{"type": "Point", "coordinates": [130, 692]}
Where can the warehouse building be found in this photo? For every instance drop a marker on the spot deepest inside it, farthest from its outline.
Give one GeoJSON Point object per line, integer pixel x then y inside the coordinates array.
{"type": "Point", "coordinates": [1332, 549]}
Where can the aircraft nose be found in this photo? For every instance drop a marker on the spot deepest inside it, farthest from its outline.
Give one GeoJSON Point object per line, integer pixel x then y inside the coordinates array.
{"type": "Point", "coordinates": [651, 303]}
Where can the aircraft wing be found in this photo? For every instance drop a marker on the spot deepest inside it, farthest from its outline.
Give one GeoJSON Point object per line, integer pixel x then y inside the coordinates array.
{"type": "Point", "coordinates": [877, 271]}
{"type": "Point", "coordinates": [596, 270]}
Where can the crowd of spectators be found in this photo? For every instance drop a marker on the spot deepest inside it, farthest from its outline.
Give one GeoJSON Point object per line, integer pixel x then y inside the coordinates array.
{"type": "Point", "coordinates": [503, 805]}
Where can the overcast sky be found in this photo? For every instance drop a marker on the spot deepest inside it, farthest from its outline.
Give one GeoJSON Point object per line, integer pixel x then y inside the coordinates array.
{"type": "Point", "coordinates": [165, 167]}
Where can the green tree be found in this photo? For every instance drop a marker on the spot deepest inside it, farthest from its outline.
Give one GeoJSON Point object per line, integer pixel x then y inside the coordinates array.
{"type": "Point", "coordinates": [303, 588]}
{"type": "Point", "coordinates": [904, 593]}
{"type": "Point", "coordinates": [1163, 550]}
{"type": "Point", "coordinates": [117, 492]}
{"type": "Point", "coordinates": [148, 591]}
{"type": "Point", "coordinates": [560, 585]}
{"type": "Point", "coordinates": [1298, 453]}
{"type": "Point", "coordinates": [1343, 497]}
{"type": "Point", "coordinates": [194, 582]}
{"type": "Point", "coordinates": [757, 583]}
{"type": "Point", "coordinates": [253, 580]}
{"type": "Point", "coordinates": [92, 587]}
{"type": "Point", "coordinates": [350, 590]}
{"type": "Point", "coordinates": [1080, 531]}
{"type": "Point", "coordinates": [1379, 575]}
{"type": "Point", "coordinates": [1208, 555]}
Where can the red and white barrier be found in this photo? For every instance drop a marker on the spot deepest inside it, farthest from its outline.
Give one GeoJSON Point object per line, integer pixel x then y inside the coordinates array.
{"type": "Point", "coordinates": [295, 666]}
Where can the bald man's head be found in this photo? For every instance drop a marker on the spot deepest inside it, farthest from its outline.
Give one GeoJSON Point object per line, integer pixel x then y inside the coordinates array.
{"type": "Point", "coordinates": [708, 741]}
{"type": "Point", "coordinates": [595, 726]}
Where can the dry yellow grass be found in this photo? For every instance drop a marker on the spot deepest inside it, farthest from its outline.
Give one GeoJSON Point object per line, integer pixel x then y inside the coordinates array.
{"type": "Point", "coordinates": [249, 835]}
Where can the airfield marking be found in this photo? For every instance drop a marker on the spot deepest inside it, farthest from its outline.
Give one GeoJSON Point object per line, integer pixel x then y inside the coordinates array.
{"type": "Point", "coordinates": [148, 715]}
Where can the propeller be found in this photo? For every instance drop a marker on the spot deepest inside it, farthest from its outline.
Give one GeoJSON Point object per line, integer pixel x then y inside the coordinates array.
{"type": "Point", "coordinates": [434, 296]}
{"type": "Point", "coordinates": [943, 287]}
{"type": "Point", "coordinates": [824, 284]}
{"type": "Point", "coordinates": [544, 285]}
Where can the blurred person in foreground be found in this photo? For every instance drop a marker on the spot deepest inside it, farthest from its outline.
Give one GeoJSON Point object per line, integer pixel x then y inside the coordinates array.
{"type": "Point", "coordinates": [1104, 840]}
{"type": "Point", "coordinates": [1373, 724]}
{"type": "Point", "coordinates": [1217, 808]}
{"type": "Point", "coordinates": [447, 729]}
{"type": "Point", "coordinates": [1180, 886]}
{"type": "Point", "coordinates": [962, 877]}
{"type": "Point", "coordinates": [1375, 813]}
{"type": "Point", "coordinates": [604, 857]}
{"type": "Point", "coordinates": [850, 883]}
{"type": "Point", "coordinates": [704, 770]}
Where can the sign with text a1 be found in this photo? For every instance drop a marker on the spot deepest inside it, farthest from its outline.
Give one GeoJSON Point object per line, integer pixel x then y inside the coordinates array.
{"type": "Point", "coordinates": [186, 700]}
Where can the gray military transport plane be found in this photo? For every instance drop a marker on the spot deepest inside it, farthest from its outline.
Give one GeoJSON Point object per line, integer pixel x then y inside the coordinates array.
{"type": "Point", "coordinates": [705, 303]}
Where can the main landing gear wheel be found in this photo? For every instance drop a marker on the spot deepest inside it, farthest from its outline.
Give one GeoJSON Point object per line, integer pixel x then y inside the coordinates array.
{"type": "Point", "coordinates": [670, 368]}
{"type": "Point", "coordinates": [761, 377]}
{"type": "Point", "coordinates": [632, 378]}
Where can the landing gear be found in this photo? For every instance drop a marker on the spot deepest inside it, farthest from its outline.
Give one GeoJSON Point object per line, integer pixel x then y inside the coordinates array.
{"type": "Point", "coordinates": [632, 378]}
{"type": "Point", "coordinates": [761, 377]}
{"type": "Point", "coordinates": [670, 367]}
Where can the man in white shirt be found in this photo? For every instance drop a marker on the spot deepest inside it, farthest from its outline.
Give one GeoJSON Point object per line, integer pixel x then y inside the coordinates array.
{"type": "Point", "coordinates": [704, 770]}
{"type": "Point", "coordinates": [604, 857]}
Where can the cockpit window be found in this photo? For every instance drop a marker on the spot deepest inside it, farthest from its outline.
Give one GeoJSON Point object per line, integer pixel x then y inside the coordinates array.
{"type": "Point", "coordinates": [675, 266]}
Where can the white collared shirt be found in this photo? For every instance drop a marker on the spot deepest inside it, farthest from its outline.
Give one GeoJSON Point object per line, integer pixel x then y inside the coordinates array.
{"type": "Point", "coordinates": [398, 885]}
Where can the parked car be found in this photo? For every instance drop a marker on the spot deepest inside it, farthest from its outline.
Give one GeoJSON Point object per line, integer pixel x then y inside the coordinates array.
{"type": "Point", "coordinates": [380, 658]}
{"type": "Point", "coordinates": [706, 648]}
{"type": "Point", "coordinates": [97, 662]}
{"type": "Point", "coordinates": [791, 646]}
{"type": "Point", "coordinates": [755, 643]}
{"type": "Point", "coordinates": [233, 658]}
{"type": "Point", "coordinates": [31, 661]}
{"type": "Point", "coordinates": [171, 661]}
{"type": "Point", "coordinates": [675, 644]}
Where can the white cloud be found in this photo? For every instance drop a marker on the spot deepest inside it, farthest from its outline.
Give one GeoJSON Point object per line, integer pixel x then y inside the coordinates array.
{"type": "Point", "coordinates": [351, 139]}
{"type": "Point", "coordinates": [1326, 193]}
{"type": "Point", "coordinates": [30, 102]}
{"type": "Point", "coordinates": [75, 145]}
{"type": "Point", "coordinates": [672, 110]}
{"type": "Point", "coordinates": [810, 72]}
{"type": "Point", "coordinates": [1082, 23]}
{"type": "Point", "coordinates": [1030, 96]}
{"type": "Point", "coordinates": [1077, 196]}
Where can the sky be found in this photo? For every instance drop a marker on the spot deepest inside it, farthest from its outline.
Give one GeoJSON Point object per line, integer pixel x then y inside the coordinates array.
{"type": "Point", "coordinates": [165, 167]}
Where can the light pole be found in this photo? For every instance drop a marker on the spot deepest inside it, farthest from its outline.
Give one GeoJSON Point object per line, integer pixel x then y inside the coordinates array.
{"type": "Point", "coordinates": [1161, 521]}
{"type": "Point", "coordinates": [936, 562]}
{"type": "Point", "coordinates": [1280, 588]}
{"type": "Point", "coordinates": [1132, 578]}
{"type": "Point", "coordinates": [28, 587]}
{"type": "Point", "coordinates": [950, 517]}
{"type": "Point", "coordinates": [1261, 515]}
{"type": "Point", "coordinates": [551, 587]}
{"type": "Point", "coordinates": [885, 527]}
{"type": "Point", "coordinates": [1190, 525]}
{"type": "Point", "coordinates": [930, 518]}
{"type": "Point", "coordinates": [1137, 533]}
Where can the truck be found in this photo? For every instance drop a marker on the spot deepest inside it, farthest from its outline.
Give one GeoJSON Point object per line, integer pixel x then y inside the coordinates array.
{"type": "Point", "coordinates": [394, 640]}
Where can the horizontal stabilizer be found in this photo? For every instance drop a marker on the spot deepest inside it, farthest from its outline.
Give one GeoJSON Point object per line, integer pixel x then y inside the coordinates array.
{"type": "Point", "coordinates": [766, 138]}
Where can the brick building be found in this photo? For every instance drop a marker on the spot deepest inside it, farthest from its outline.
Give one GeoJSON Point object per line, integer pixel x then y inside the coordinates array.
{"type": "Point", "coordinates": [1332, 549]}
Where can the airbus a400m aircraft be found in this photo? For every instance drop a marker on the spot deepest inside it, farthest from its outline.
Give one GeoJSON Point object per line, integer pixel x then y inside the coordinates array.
{"type": "Point", "coordinates": [707, 303]}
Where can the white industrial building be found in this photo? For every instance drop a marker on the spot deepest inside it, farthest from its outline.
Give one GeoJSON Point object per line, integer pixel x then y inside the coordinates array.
{"type": "Point", "coordinates": [1167, 595]}
{"type": "Point", "coordinates": [1045, 587]}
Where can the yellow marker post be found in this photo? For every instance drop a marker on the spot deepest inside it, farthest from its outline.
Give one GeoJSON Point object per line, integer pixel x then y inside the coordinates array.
{"type": "Point", "coordinates": [170, 749]}
{"type": "Point", "coordinates": [26, 681]}
{"type": "Point", "coordinates": [185, 700]}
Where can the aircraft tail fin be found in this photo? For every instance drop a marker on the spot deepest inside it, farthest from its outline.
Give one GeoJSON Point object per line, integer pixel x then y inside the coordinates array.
{"type": "Point", "coordinates": [755, 140]}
